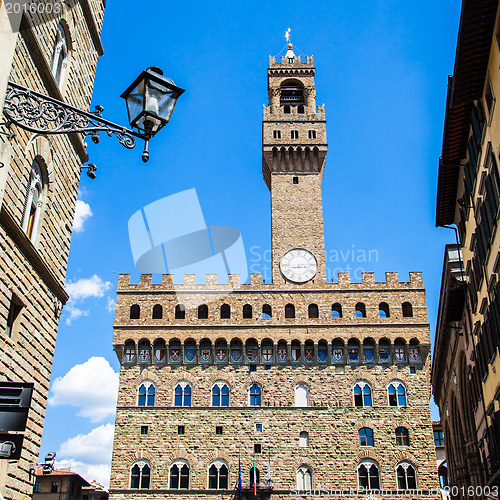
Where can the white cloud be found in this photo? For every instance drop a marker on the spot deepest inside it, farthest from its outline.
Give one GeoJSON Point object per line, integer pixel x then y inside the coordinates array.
{"type": "Point", "coordinates": [93, 448]}
{"type": "Point", "coordinates": [110, 306]}
{"type": "Point", "coordinates": [82, 213]}
{"type": "Point", "coordinates": [87, 287]}
{"type": "Point", "coordinates": [74, 313]}
{"type": "Point", "coordinates": [91, 386]}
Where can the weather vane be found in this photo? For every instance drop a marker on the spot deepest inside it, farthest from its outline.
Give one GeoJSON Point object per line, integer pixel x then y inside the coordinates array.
{"type": "Point", "coordinates": [287, 34]}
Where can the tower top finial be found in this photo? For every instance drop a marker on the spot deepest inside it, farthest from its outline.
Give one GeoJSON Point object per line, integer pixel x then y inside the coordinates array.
{"type": "Point", "coordinates": [289, 54]}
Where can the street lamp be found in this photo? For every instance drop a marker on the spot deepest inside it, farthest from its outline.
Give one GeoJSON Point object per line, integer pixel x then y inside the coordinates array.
{"type": "Point", "coordinates": [150, 100]}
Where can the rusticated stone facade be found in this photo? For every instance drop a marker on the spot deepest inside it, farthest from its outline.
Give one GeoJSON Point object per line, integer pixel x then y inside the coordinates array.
{"type": "Point", "coordinates": [308, 369]}
{"type": "Point", "coordinates": [39, 181]}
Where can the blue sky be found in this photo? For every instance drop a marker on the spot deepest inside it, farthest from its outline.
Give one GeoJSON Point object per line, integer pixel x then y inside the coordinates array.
{"type": "Point", "coordinates": [381, 71]}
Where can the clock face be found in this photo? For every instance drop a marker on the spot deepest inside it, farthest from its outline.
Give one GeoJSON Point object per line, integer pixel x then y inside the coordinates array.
{"type": "Point", "coordinates": [298, 265]}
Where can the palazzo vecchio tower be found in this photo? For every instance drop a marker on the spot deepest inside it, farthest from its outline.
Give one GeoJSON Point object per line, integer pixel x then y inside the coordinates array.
{"type": "Point", "coordinates": [302, 384]}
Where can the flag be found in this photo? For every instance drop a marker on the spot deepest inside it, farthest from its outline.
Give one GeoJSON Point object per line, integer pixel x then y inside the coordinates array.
{"type": "Point", "coordinates": [269, 473]}
{"type": "Point", "coordinates": [254, 479]}
{"type": "Point", "coordinates": [240, 485]}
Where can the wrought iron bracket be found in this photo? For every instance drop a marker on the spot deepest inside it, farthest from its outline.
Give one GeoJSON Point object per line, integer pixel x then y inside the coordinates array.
{"type": "Point", "coordinates": [43, 114]}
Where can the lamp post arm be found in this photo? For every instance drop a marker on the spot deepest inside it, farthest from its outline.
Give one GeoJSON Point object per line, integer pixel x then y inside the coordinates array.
{"type": "Point", "coordinates": [43, 114]}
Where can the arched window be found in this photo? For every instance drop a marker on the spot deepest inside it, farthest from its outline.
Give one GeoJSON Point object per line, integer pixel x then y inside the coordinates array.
{"type": "Point", "coordinates": [292, 93]}
{"type": "Point", "coordinates": [34, 203]}
{"type": "Point", "coordinates": [407, 310]}
{"type": "Point", "coordinates": [129, 355]}
{"type": "Point", "coordinates": [135, 311]}
{"type": "Point", "coordinates": [254, 479]}
{"type": "Point", "coordinates": [399, 351]}
{"type": "Point", "coordinates": [180, 311]}
{"type": "Point", "coordinates": [255, 395]}
{"type": "Point", "coordinates": [300, 109]}
{"type": "Point", "coordinates": [365, 436]}
{"type": "Point", "coordinates": [286, 110]}
{"type": "Point", "coordinates": [140, 476]}
{"type": "Point", "coordinates": [406, 476]}
{"type": "Point", "coordinates": [60, 56]}
{"type": "Point", "coordinates": [157, 311]}
{"type": "Point", "coordinates": [225, 311]}
{"type": "Point", "coordinates": [313, 311]}
{"type": "Point", "coordinates": [203, 311]}
{"type": "Point", "coordinates": [304, 478]}
{"type": "Point", "coordinates": [338, 351]}
{"type": "Point", "coordinates": [146, 394]}
{"type": "Point", "coordinates": [369, 350]}
{"type": "Point", "coordinates": [360, 310]}
{"type": "Point", "coordinates": [402, 436]}
{"type": "Point", "coordinates": [362, 394]}
{"type": "Point", "coordinates": [301, 395]}
{"type": "Point", "coordinates": [368, 475]}
{"type": "Point", "coordinates": [182, 394]}
{"type": "Point", "coordinates": [218, 476]}
{"type": "Point", "coordinates": [179, 475]}
{"type": "Point", "coordinates": [247, 311]}
{"type": "Point", "coordinates": [397, 394]}
{"type": "Point", "coordinates": [336, 311]}
{"type": "Point", "coordinates": [266, 311]}
{"type": "Point", "coordinates": [383, 310]}
{"type": "Point", "coordinates": [289, 311]}
{"type": "Point", "coordinates": [322, 351]}
{"type": "Point", "coordinates": [304, 439]}
{"type": "Point", "coordinates": [384, 351]}
{"type": "Point", "coordinates": [353, 350]}
{"type": "Point", "coordinates": [220, 394]}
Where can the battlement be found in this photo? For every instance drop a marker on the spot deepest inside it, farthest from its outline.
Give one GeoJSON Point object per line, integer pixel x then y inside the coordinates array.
{"type": "Point", "coordinates": [233, 283]}
{"type": "Point", "coordinates": [283, 62]}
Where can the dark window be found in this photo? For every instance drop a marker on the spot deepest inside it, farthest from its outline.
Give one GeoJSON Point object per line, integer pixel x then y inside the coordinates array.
{"type": "Point", "coordinates": [180, 311]}
{"type": "Point", "coordinates": [407, 310]}
{"type": "Point", "coordinates": [286, 109]}
{"type": "Point", "coordinates": [312, 134]}
{"type": "Point", "coordinates": [53, 488]}
{"type": "Point", "coordinates": [368, 476]}
{"type": "Point", "coordinates": [266, 311]}
{"type": "Point", "coordinates": [252, 368]}
{"type": "Point", "coordinates": [12, 318]}
{"type": "Point", "coordinates": [360, 310]}
{"type": "Point", "coordinates": [295, 179]}
{"type": "Point", "coordinates": [300, 109]}
{"type": "Point", "coordinates": [179, 476]}
{"type": "Point", "coordinates": [181, 430]}
{"type": "Point", "coordinates": [336, 310]}
{"type": "Point", "coordinates": [397, 394]}
{"type": "Point", "coordinates": [157, 312]}
{"type": "Point", "coordinates": [247, 311]}
{"type": "Point", "coordinates": [225, 311]}
{"type": "Point", "coordinates": [366, 436]}
{"type": "Point", "coordinates": [313, 311]}
{"type": "Point", "coordinates": [294, 134]}
{"type": "Point", "coordinates": [413, 370]}
{"type": "Point", "coordinates": [438, 438]}
{"type": "Point", "coordinates": [402, 436]}
{"type": "Point", "coordinates": [144, 429]}
{"type": "Point", "coordinates": [362, 394]}
{"type": "Point", "coordinates": [218, 476]}
{"type": "Point", "coordinates": [218, 429]}
{"type": "Point", "coordinates": [37, 487]}
{"type": "Point", "coordinates": [203, 311]}
{"type": "Point", "coordinates": [135, 311]}
{"type": "Point", "coordinates": [292, 93]}
{"type": "Point", "coordinates": [406, 476]}
{"type": "Point", "coordinates": [383, 310]}
{"type": "Point", "coordinates": [277, 134]}
{"type": "Point", "coordinates": [289, 311]}
{"type": "Point", "coordinates": [257, 448]}
{"type": "Point", "coordinates": [489, 97]}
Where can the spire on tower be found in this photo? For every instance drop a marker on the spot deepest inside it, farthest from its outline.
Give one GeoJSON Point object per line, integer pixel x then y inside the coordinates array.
{"type": "Point", "coordinates": [289, 55]}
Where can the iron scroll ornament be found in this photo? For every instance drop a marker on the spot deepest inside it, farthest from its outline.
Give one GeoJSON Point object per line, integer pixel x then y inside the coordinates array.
{"type": "Point", "coordinates": [43, 114]}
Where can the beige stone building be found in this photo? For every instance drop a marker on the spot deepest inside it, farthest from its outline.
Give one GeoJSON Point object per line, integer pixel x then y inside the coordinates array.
{"type": "Point", "coordinates": [60, 484]}
{"type": "Point", "coordinates": [56, 54]}
{"type": "Point", "coordinates": [466, 361]}
{"type": "Point", "coordinates": [303, 383]}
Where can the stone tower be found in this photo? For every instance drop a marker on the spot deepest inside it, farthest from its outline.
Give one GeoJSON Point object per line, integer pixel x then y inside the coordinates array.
{"type": "Point", "coordinates": [293, 157]}
{"type": "Point", "coordinates": [300, 383]}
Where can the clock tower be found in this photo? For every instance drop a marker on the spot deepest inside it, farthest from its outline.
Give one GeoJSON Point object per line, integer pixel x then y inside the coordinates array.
{"type": "Point", "coordinates": [293, 157]}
